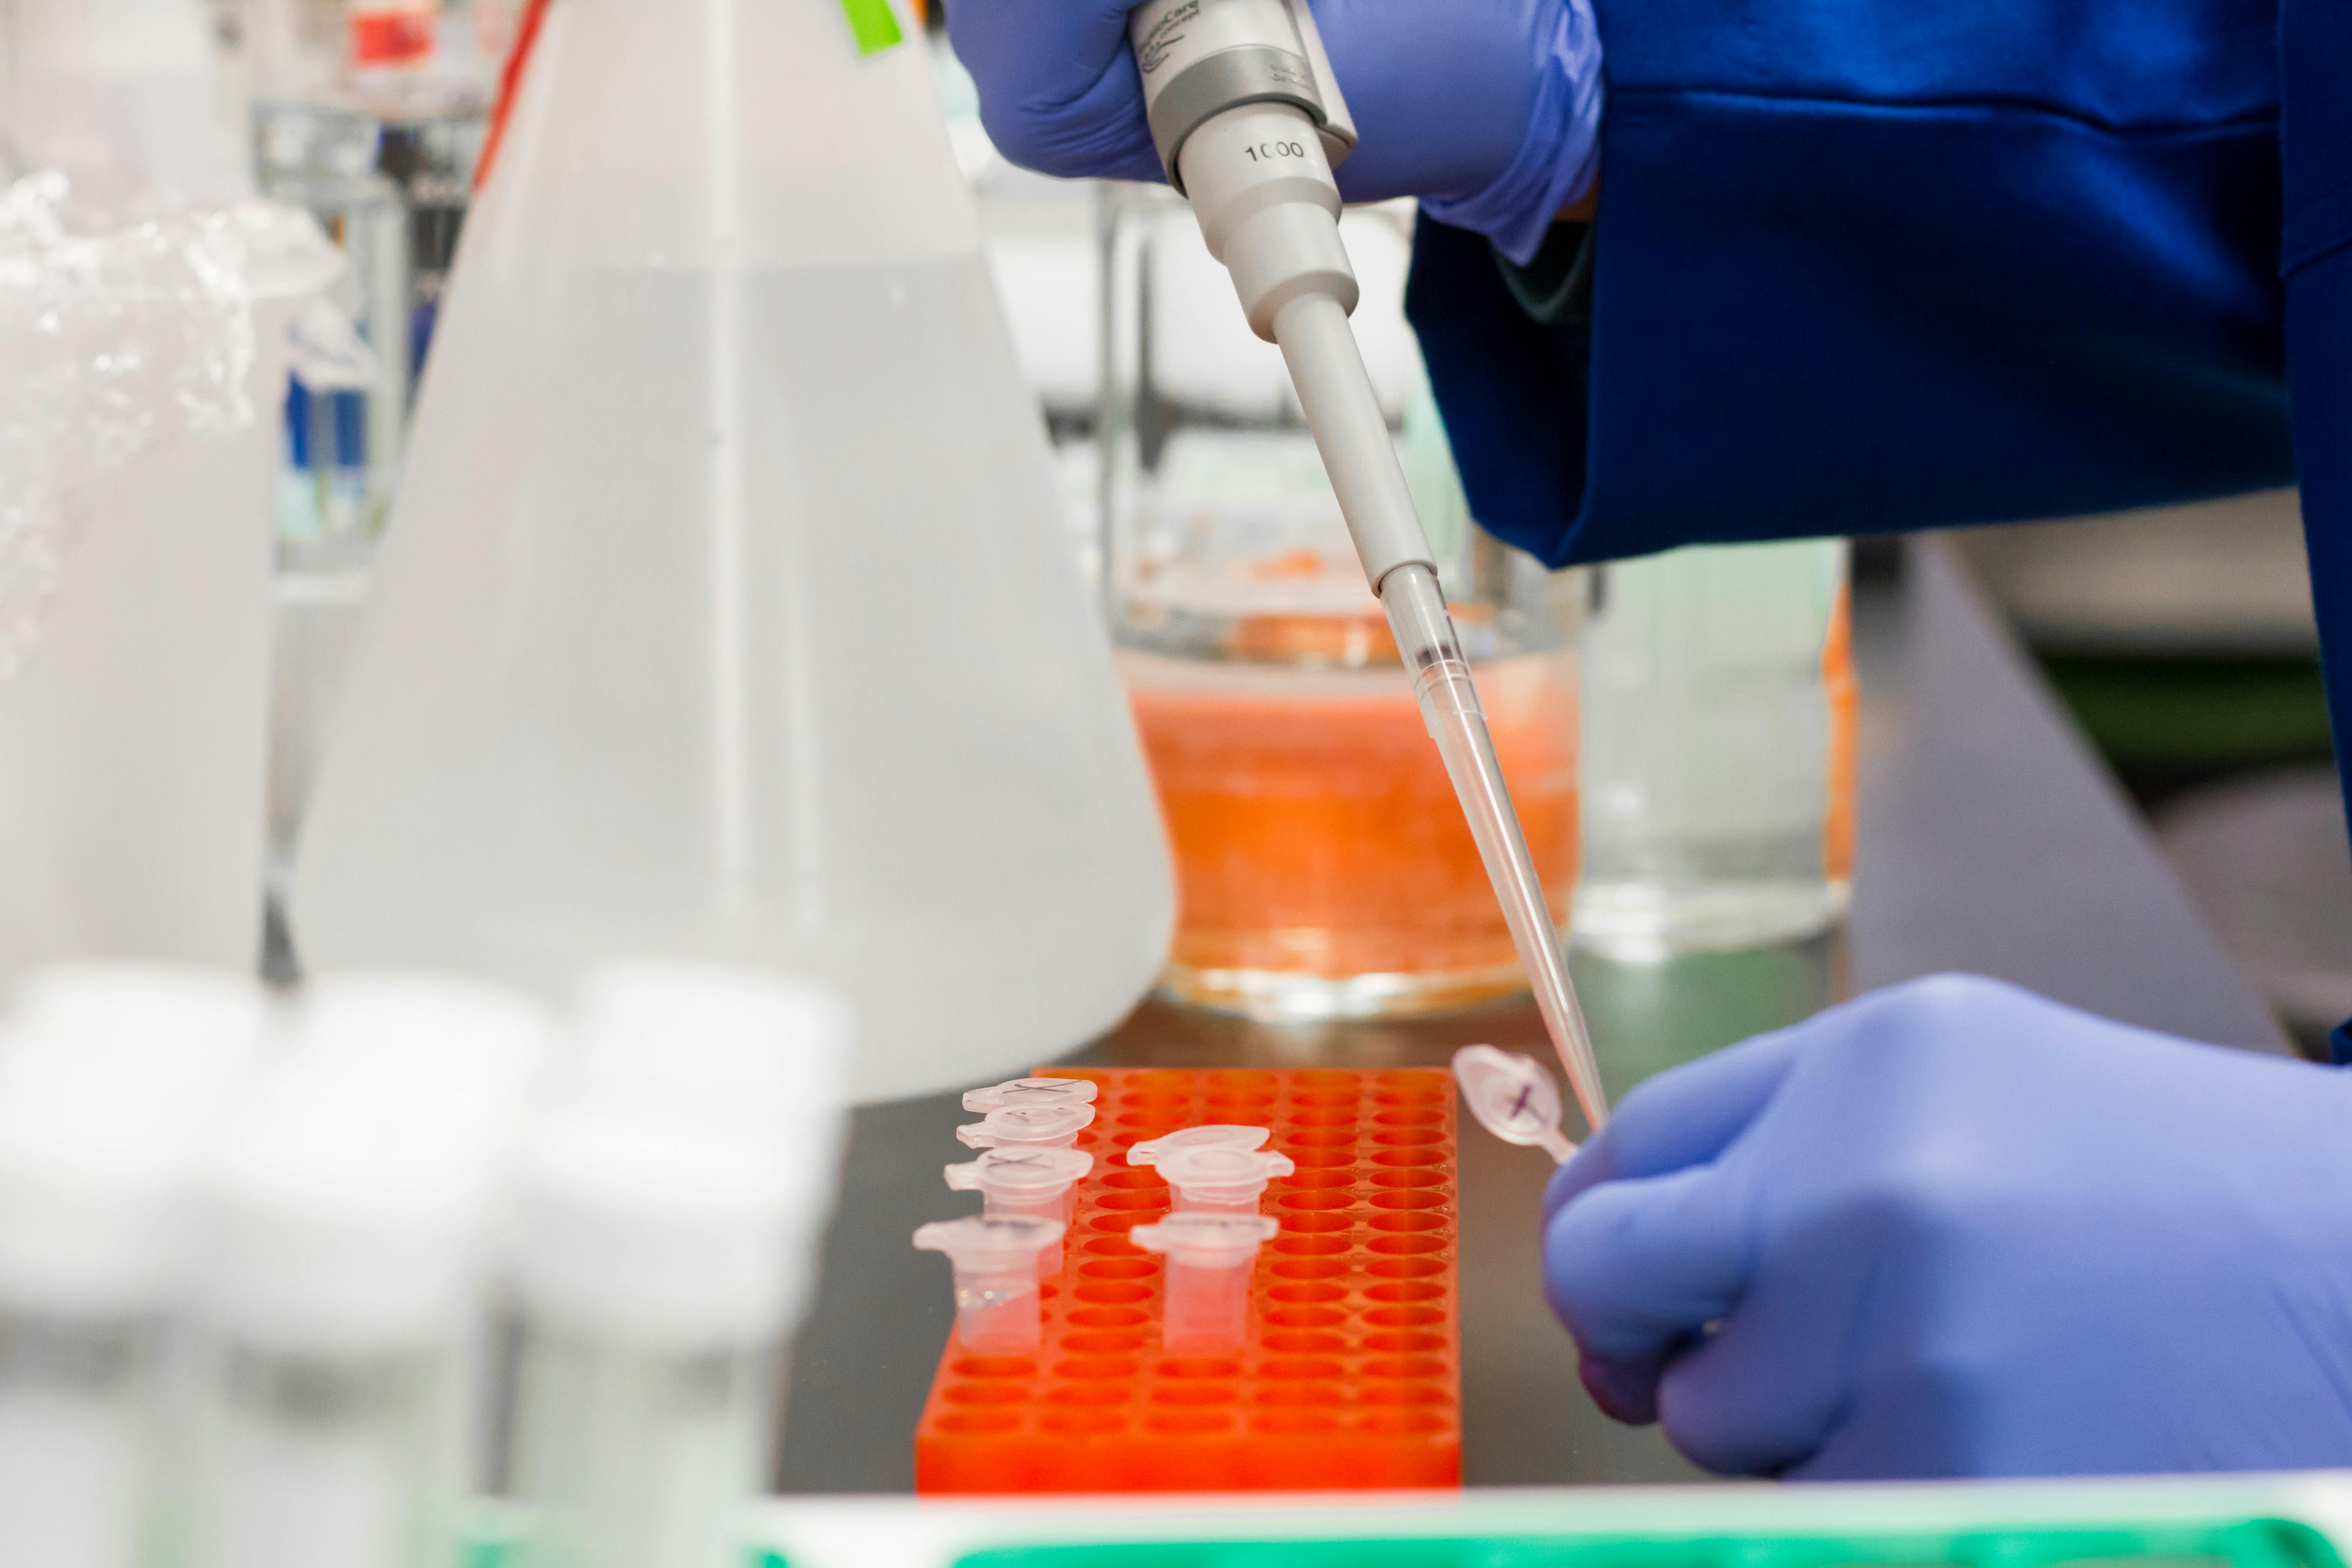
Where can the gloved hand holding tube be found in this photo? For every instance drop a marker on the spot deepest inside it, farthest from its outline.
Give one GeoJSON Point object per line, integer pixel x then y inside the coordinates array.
{"type": "Point", "coordinates": [1954, 1229]}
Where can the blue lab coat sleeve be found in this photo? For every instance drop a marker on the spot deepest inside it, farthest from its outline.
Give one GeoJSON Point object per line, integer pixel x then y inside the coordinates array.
{"type": "Point", "coordinates": [1867, 265]}
{"type": "Point", "coordinates": [2315, 58]}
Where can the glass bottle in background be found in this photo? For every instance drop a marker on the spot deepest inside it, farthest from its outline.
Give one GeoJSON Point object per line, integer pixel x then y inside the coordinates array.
{"type": "Point", "coordinates": [370, 115]}
{"type": "Point", "coordinates": [1718, 715]}
{"type": "Point", "coordinates": [1324, 866]}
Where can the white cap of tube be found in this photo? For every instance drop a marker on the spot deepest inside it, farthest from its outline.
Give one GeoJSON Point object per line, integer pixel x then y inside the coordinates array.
{"type": "Point", "coordinates": [1214, 1137]}
{"type": "Point", "coordinates": [97, 1179]}
{"type": "Point", "coordinates": [110, 1084]}
{"type": "Point", "coordinates": [1044, 1127]}
{"type": "Point", "coordinates": [651, 1233]}
{"type": "Point", "coordinates": [351, 1208]}
{"type": "Point", "coordinates": [1022, 1092]}
{"type": "Point", "coordinates": [457, 1052]}
{"type": "Point", "coordinates": [338, 1225]}
{"type": "Point", "coordinates": [758, 1051]}
{"type": "Point", "coordinates": [187, 1017]}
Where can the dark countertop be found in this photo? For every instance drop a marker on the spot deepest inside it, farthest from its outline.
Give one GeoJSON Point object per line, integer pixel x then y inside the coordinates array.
{"type": "Point", "coordinates": [1989, 840]}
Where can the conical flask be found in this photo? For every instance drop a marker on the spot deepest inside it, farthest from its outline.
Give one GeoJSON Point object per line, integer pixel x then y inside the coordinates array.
{"type": "Point", "coordinates": [726, 610]}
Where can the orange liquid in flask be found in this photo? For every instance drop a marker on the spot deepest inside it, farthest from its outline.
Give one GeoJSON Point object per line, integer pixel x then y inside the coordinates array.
{"type": "Point", "coordinates": [1323, 864]}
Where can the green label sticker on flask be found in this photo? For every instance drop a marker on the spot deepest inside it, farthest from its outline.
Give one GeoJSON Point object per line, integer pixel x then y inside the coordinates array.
{"type": "Point", "coordinates": [872, 24]}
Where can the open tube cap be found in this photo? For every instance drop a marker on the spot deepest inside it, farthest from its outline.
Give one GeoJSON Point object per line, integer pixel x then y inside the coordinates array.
{"type": "Point", "coordinates": [990, 1243]}
{"type": "Point", "coordinates": [1016, 1172]}
{"type": "Point", "coordinates": [1221, 1136]}
{"type": "Point", "coordinates": [1207, 1240]}
{"type": "Point", "coordinates": [1513, 1097]}
{"type": "Point", "coordinates": [1026, 1092]}
{"type": "Point", "coordinates": [1220, 1169]}
{"type": "Point", "coordinates": [1044, 1126]}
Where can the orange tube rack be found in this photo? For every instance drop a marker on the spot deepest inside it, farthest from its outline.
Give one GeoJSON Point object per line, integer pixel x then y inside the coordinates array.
{"type": "Point", "coordinates": [1351, 1375]}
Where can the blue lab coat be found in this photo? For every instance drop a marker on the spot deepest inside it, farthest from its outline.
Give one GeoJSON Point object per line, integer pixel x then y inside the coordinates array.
{"type": "Point", "coordinates": [1869, 264]}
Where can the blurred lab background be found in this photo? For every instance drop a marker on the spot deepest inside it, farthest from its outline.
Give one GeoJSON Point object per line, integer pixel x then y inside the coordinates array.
{"type": "Point", "coordinates": [2180, 642]}
{"type": "Point", "coordinates": [1680, 735]}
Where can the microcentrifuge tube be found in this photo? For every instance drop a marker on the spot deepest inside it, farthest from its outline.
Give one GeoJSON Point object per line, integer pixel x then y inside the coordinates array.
{"type": "Point", "coordinates": [1209, 1262]}
{"type": "Point", "coordinates": [1514, 1098]}
{"type": "Point", "coordinates": [1213, 1178]}
{"type": "Point", "coordinates": [1038, 1127]}
{"type": "Point", "coordinates": [995, 1261]}
{"type": "Point", "coordinates": [1022, 1092]}
{"type": "Point", "coordinates": [1215, 1137]}
{"type": "Point", "coordinates": [1031, 1183]}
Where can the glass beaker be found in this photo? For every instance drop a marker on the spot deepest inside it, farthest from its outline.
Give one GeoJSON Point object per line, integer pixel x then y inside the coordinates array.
{"type": "Point", "coordinates": [1719, 716]}
{"type": "Point", "coordinates": [1324, 867]}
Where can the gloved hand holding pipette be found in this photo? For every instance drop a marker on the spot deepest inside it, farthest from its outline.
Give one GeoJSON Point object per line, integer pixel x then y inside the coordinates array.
{"type": "Point", "coordinates": [1489, 110]}
{"type": "Point", "coordinates": [1248, 117]}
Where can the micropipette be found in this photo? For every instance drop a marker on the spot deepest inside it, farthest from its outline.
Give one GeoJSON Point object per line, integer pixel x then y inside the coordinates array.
{"type": "Point", "coordinates": [1513, 1097]}
{"type": "Point", "coordinates": [1248, 121]}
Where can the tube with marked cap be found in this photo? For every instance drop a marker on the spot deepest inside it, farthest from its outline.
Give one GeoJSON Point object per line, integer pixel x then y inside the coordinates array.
{"type": "Point", "coordinates": [1210, 1258]}
{"type": "Point", "coordinates": [1210, 1178]}
{"type": "Point", "coordinates": [1221, 1136]}
{"type": "Point", "coordinates": [1024, 1092]}
{"type": "Point", "coordinates": [995, 1260]}
{"type": "Point", "coordinates": [1025, 1183]}
{"type": "Point", "coordinates": [1042, 1126]}
{"type": "Point", "coordinates": [1513, 1097]}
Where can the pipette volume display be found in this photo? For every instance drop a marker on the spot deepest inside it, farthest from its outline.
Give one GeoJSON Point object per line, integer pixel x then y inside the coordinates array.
{"type": "Point", "coordinates": [1514, 1098]}
{"type": "Point", "coordinates": [1224, 80]}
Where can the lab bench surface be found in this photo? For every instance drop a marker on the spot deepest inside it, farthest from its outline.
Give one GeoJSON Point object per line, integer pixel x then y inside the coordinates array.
{"type": "Point", "coordinates": [1989, 840]}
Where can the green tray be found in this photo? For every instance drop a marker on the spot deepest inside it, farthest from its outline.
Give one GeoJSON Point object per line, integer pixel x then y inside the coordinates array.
{"type": "Point", "coordinates": [2227, 1543]}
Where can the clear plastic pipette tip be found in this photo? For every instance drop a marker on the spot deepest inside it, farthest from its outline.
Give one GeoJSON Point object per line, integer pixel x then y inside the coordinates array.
{"type": "Point", "coordinates": [1513, 1097]}
{"type": "Point", "coordinates": [1430, 648]}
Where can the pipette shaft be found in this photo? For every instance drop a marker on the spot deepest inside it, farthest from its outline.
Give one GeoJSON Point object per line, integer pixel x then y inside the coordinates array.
{"type": "Point", "coordinates": [1247, 120]}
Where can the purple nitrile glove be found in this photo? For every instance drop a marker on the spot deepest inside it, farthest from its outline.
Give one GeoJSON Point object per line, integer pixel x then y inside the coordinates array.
{"type": "Point", "coordinates": [1488, 109]}
{"type": "Point", "coordinates": [1954, 1229]}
